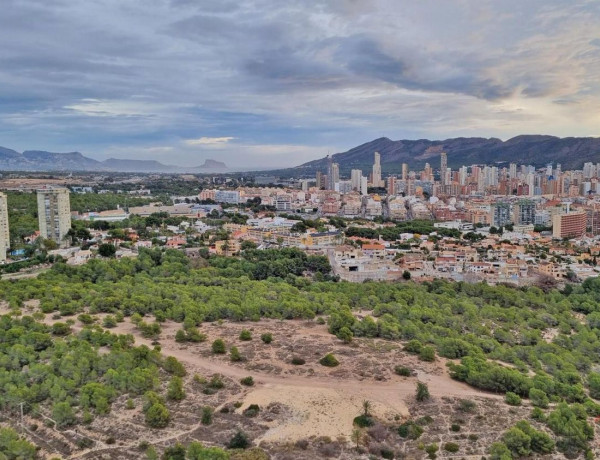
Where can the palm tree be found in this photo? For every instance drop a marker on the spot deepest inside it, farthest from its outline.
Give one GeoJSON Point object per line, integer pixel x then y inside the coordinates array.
{"type": "Point", "coordinates": [366, 405]}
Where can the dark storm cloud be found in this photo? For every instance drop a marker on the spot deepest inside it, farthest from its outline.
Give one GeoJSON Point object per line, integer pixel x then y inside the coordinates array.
{"type": "Point", "coordinates": [111, 76]}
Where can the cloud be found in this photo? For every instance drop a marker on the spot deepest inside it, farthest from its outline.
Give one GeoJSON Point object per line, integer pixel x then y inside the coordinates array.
{"type": "Point", "coordinates": [209, 141]}
{"type": "Point", "coordinates": [117, 76]}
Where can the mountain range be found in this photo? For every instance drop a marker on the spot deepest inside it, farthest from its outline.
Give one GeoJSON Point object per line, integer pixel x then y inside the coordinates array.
{"type": "Point", "coordinates": [38, 160]}
{"type": "Point", "coordinates": [537, 150]}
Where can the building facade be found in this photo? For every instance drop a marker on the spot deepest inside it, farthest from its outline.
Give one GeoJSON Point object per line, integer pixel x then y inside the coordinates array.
{"type": "Point", "coordinates": [4, 233]}
{"type": "Point", "coordinates": [54, 213]}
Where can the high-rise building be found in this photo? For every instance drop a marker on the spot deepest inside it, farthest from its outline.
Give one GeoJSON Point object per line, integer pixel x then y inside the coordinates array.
{"type": "Point", "coordinates": [335, 175]}
{"type": "Point", "coordinates": [355, 178]}
{"type": "Point", "coordinates": [4, 233]}
{"type": "Point", "coordinates": [330, 182]}
{"type": "Point", "coordinates": [320, 182]}
{"type": "Point", "coordinates": [54, 213]}
{"type": "Point", "coordinates": [524, 212]}
{"type": "Point", "coordinates": [404, 171]}
{"type": "Point", "coordinates": [569, 225]}
{"type": "Point", "coordinates": [443, 168]}
{"type": "Point", "coordinates": [501, 214]}
{"type": "Point", "coordinates": [391, 185]}
{"type": "Point", "coordinates": [512, 171]}
{"type": "Point", "coordinates": [363, 185]}
{"type": "Point", "coordinates": [376, 180]}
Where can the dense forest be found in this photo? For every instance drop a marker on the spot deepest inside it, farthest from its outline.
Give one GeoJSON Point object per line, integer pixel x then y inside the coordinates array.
{"type": "Point", "coordinates": [527, 343]}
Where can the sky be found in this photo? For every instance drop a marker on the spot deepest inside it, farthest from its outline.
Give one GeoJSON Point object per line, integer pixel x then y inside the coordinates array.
{"type": "Point", "coordinates": [272, 83]}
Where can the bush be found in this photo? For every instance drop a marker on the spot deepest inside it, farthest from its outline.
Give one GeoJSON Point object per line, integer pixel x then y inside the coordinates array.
{"type": "Point", "coordinates": [175, 389]}
{"type": "Point", "coordinates": [455, 427]}
{"type": "Point", "coordinates": [410, 430]}
{"type": "Point", "coordinates": [466, 405]}
{"type": "Point", "coordinates": [180, 336]}
{"type": "Point", "coordinates": [431, 450]}
{"type": "Point", "coordinates": [216, 382]}
{"type": "Point", "coordinates": [247, 381]}
{"type": "Point", "coordinates": [451, 447]}
{"type": "Point", "coordinates": [239, 441]}
{"type": "Point", "coordinates": [414, 346]}
{"type": "Point", "coordinates": [297, 361]}
{"type": "Point", "coordinates": [267, 338]}
{"type": "Point", "coordinates": [345, 335]}
{"type": "Point", "coordinates": [363, 421]}
{"type": "Point", "coordinates": [538, 398]}
{"type": "Point", "coordinates": [512, 399]}
{"type": "Point", "coordinates": [329, 360]}
{"type": "Point", "coordinates": [403, 371]}
{"type": "Point", "coordinates": [235, 355]}
{"type": "Point", "coordinates": [157, 416]}
{"type": "Point", "coordinates": [422, 393]}
{"type": "Point", "coordinates": [218, 347]}
{"type": "Point", "coordinates": [427, 354]}
{"type": "Point", "coordinates": [109, 322]}
{"type": "Point", "coordinates": [61, 329]}
{"type": "Point", "coordinates": [245, 335]}
{"type": "Point", "coordinates": [252, 410]}
{"type": "Point", "coordinates": [207, 415]}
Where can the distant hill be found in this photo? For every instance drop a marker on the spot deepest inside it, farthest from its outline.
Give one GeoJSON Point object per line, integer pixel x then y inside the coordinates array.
{"type": "Point", "coordinates": [212, 166]}
{"type": "Point", "coordinates": [570, 152]}
{"type": "Point", "coordinates": [39, 160]}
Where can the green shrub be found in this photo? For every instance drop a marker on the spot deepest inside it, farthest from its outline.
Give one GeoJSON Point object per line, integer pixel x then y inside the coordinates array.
{"type": "Point", "coordinates": [297, 361]}
{"type": "Point", "coordinates": [422, 393]}
{"type": "Point", "coordinates": [252, 410]}
{"type": "Point", "coordinates": [410, 430]}
{"type": "Point", "coordinates": [207, 415]}
{"type": "Point", "coordinates": [512, 399]}
{"type": "Point", "coordinates": [245, 335]}
{"type": "Point", "coordinates": [403, 371]}
{"type": "Point", "coordinates": [455, 427]}
{"type": "Point", "coordinates": [451, 447]}
{"type": "Point", "coordinates": [247, 381]}
{"type": "Point", "coordinates": [363, 421]}
{"type": "Point", "coordinates": [235, 355]}
{"type": "Point", "coordinates": [329, 360]}
{"type": "Point", "coordinates": [427, 354]}
{"type": "Point", "coordinates": [216, 382]}
{"type": "Point", "coordinates": [266, 337]}
{"type": "Point", "coordinates": [414, 346]}
{"type": "Point", "coordinates": [239, 441]}
{"type": "Point", "coordinates": [218, 347]}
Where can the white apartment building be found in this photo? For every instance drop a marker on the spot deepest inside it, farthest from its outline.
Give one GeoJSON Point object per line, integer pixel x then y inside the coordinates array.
{"type": "Point", "coordinates": [54, 213]}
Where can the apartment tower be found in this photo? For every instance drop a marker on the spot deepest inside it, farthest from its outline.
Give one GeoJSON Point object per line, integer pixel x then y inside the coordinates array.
{"type": "Point", "coordinates": [4, 234]}
{"type": "Point", "coordinates": [54, 212]}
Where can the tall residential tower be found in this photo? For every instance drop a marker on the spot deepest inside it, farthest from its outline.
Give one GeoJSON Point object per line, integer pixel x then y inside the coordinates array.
{"type": "Point", "coordinates": [4, 234]}
{"type": "Point", "coordinates": [54, 212]}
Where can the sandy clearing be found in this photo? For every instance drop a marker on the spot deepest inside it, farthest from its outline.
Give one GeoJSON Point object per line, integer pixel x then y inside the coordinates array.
{"type": "Point", "coordinates": [317, 411]}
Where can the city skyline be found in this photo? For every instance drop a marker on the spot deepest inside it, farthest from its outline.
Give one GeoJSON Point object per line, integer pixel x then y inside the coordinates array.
{"type": "Point", "coordinates": [180, 83]}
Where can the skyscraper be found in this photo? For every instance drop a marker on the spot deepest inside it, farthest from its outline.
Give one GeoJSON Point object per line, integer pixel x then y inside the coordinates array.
{"type": "Point", "coordinates": [329, 173]}
{"type": "Point", "coordinates": [377, 182]}
{"type": "Point", "coordinates": [54, 213]}
{"type": "Point", "coordinates": [335, 175]}
{"type": "Point", "coordinates": [4, 234]}
{"type": "Point", "coordinates": [404, 171]}
{"type": "Point", "coordinates": [443, 168]}
{"type": "Point", "coordinates": [355, 178]}
{"type": "Point", "coordinates": [320, 182]}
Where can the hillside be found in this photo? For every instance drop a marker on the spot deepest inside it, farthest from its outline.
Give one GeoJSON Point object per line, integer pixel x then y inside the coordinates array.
{"type": "Point", "coordinates": [570, 152]}
{"type": "Point", "coordinates": [39, 160]}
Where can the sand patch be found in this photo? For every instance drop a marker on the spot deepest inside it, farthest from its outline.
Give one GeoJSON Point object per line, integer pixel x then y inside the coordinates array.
{"type": "Point", "coordinates": [317, 411]}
